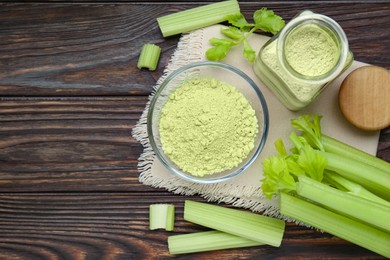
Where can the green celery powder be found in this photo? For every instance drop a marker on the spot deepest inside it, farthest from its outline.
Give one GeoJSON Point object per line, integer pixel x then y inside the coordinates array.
{"type": "Point", "coordinates": [207, 126]}
{"type": "Point", "coordinates": [302, 91]}
{"type": "Point", "coordinates": [311, 50]}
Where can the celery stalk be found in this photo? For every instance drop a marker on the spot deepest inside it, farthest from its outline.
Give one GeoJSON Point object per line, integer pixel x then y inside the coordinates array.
{"type": "Point", "coordinates": [370, 177]}
{"type": "Point", "coordinates": [207, 241]}
{"type": "Point", "coordinates": [351, 230]}
{"type": "Point", "coordinates": [310, 128]}
{"type": "Point", "coordinates": [197, 17]}
{"type": "Point", "coordinates": [161, 216]}
{"type": "Point", "coordinates": [150, 54]}
{"type": "Point", "coordinates": [348, 186]}
{"type": "Point", "coordinates": [334, 146]}
{"type": "Point", "coordinates": [345, 203]}
{"type": "Point", "coordinates": [241, 223]}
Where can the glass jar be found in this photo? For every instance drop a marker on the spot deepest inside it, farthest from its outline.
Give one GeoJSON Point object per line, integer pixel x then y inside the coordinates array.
{"type": "Point", "coordinates": [303, 58]}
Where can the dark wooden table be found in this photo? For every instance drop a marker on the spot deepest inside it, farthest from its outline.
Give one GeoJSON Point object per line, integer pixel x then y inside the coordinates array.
{"type": "Point", "coordinates": [70, 94]}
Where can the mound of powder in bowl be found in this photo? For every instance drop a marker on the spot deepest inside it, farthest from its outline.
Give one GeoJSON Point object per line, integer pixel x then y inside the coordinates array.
{"type": "Point", "coordinates": [207, 126]}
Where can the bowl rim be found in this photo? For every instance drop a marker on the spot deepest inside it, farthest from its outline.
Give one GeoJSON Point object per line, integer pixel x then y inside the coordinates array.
{"type": "Point", "coordinates": [265, 122]}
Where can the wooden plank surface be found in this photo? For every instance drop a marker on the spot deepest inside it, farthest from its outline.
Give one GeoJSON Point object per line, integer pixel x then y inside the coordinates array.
{"type": "Point", "coordinates": [115, 226]}
{"type": "Point", "coordinates": [70, 94]}
{"type": "Point", "coordinates": [69, 144]}
{"type": "Point", "coordinates": [90, 49]}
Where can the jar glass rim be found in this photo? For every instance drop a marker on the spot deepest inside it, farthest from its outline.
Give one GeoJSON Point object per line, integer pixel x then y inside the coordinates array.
{"type": "Point", "coordinates": [308, 17]}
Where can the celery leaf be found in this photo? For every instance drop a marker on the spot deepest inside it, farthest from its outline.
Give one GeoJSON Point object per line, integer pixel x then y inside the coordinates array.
{"type": "Point", "coordinates": [268, 21]}
{"type": "Point", "coordinates": [311, 129]}
{"type": "Point", "coordinates": [277, 177]}
{"type": "Point", "coordinates": [220, 49]}
{"type": "Point", "coordinates": [279, 145]}
{"type": "Point", "coordinates": [249, 53]}
{"type": "Point", "coordinates": [312, 161]}
{"type": "Point", "coordinates": [233, 33]}
{"type": "Point", "coordinates": [240, 30]}
{"type": "Point", "coordinates": [238, 20]}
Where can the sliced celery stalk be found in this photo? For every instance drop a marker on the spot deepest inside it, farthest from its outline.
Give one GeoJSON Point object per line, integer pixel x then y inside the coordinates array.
{"type": "Point", "coordinates": [197, 17]}
{"type": "Point", "coordinates": [149, 57]}
{"type": "Point", "coordinates": [334, 146]}
{"type": "Point", "coordinates": [347, 204]}
{"type": "Point", "coordinates": [161, 216]}
{"type": "Point", "coordinates": [351, 230]}
{"type": "Point", "coordinates": [207, 241]}
{"type": "Point", "coordinates": [241, 223]}
{"type": "Point", "coordinates": [373, 179]}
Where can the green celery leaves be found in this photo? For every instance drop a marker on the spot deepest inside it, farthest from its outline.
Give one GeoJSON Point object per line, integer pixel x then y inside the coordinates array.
{"type": "Point", "coordinates": [268, 21]}
{"type": "Point", "coordinates": [240, 30]}
{"type": "Point", "coordinates": [220, 49]}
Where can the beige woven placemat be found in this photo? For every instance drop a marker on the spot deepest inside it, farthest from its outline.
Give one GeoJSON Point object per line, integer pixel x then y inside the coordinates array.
{"type": "Point", "coordinates": [243, 191]}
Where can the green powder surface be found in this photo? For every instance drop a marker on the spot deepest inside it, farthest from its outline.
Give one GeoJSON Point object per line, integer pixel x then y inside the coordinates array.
{"type": "Point", "coordinates": [207, 126]}
{"type": "Point", "coordinates": [311, 51]}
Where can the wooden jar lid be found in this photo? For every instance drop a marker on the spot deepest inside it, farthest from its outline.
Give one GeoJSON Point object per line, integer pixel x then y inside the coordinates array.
{"type": "Point", "coordinates": [364, 98]}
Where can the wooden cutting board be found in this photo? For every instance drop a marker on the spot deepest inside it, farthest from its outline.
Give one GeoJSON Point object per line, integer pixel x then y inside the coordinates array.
{"type": "Point", "coordinates": [364, 98]}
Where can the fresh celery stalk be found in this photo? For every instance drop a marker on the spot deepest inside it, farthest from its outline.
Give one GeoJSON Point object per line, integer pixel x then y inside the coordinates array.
{"type": "Point", "coordinates": [207, 241]}
{"type": "Point", "coordinates": [161, 216]}
{"type": "Point", "coordinates": [345, 203]}
{"type": "Point", "coordinates": [351, 230]}
{"type": "Point", "coordinates": [149, 57]}
{"type": "Point", "coordinates": [373, 179]}
{"type": "Point", "coordinates": [334, 146]}
{"type": "Point", "coordinates": [241, 223]}
{"type": "Point", "coordinates": [351, 187]}
{"type": "Point", "coordinates": [310, 128]}
{"type": "Point", "coordinates": [197, 17]}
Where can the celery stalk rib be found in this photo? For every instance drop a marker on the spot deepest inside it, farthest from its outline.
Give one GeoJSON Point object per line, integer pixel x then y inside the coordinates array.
{"type": "Point", "coordinates": [351, 187]}
{"type": "Point", "coordinates": [370, 177]}
{"type": "Point", "coordinates": [345, 203]}
{"type": "Point", "coordinates": [237, 222]}
{"type": "Point", "coordinates": [336, 147]}
{"type": "Point", "coordinates": [207, 241]}
{"type": "Point", "coordinates": [351, 230]}
{"type": "Point", "coordinates": [197, 17]}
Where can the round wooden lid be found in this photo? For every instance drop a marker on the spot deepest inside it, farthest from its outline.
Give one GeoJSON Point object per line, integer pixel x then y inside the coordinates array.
{"type": "Point", "coordinates": [364, 98]}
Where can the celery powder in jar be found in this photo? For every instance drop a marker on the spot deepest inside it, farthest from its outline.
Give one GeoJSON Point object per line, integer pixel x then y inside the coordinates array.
{"type": "Point", "coordinates": [311, 51]}
{"type": "Point", "coordinates": [207, 126]}
{"type": "Point", "coordinates": [300, 61]}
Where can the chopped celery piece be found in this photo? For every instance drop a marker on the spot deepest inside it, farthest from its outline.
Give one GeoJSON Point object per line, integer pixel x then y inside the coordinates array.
{"type": "Point", "coordinates": [345, 203]}
{"type": "Point", "coordinates": [161, 216]}
{"type": "Point", "coordinates": [207, 241]}
{"type": "Point", "coordinates": [241, 223]}
{"type": "Point", "coordinates": [351, 230]}
{"type": "Point", "coordinates": [150, 54]}
{"type": "Point", "coordinates": [197, 17]}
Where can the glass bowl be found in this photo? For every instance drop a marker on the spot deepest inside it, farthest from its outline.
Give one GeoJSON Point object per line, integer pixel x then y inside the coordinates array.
{"type": "Point", "coordinates": [221, 72]}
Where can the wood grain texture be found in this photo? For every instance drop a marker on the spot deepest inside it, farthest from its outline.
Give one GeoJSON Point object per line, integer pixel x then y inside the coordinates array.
{"type": "Point", "coordinates": [69, 144]}
{"type": "Point", "coordinates": [70, 94]}
{"type": "Point", "coordinates": [81, 49]}
{"type": "Point", "coordinates": [364, 98]}
{"type": "Point", "coordinates": [88, 49]}
{"type": "Point", "coordinates": [115, 226]}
